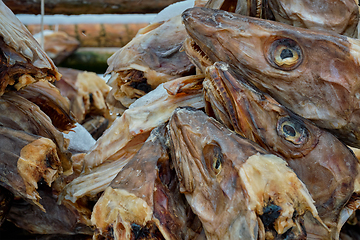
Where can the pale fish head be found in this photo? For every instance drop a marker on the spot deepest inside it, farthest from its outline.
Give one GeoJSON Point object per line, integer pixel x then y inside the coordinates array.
{"type": "Point", "coordinates": [237, 189]}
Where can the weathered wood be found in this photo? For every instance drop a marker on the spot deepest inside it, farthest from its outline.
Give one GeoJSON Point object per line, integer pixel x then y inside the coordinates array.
{"type": "Point", "coordinates": [96, 35]}
{"type": "Point", "coordinates": [73, 7]}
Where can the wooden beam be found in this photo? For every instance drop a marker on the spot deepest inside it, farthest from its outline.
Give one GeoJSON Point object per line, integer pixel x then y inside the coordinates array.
{"type": "Point", "coordinates": [96, 35]}
{"type": "Point", "coordinates": [74, 7]}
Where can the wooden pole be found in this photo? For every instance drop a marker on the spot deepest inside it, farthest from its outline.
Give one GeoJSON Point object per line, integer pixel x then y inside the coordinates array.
{"type": "Point", "coordinates": [74, 7]}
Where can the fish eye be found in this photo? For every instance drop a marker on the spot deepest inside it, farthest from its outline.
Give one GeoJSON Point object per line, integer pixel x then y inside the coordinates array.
{"type": "Point", "coordinates": [217, 164]}
{"type": "Point", "coordinates": [292, 130]}
{"type": "Point", "coordinates": [213, 157]}
{"type": "Point", "coordinates": [285, 54]}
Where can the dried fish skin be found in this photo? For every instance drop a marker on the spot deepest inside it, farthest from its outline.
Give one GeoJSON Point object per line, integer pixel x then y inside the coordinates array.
{"type": "Point", "coordinates": [51, 102]}
{"type": "Point", "coordinates": [67, 218]}
{"type": "Point", "coordinates": [151, 58]}
{"type": "Point", "coordinates": [144, 198]}
{"type": "Point", "coordinates": [340, 16]}
{"type": "Point", "coordinates": [25, 160]}
{"type": "Point", "coordinates": [24, 115]}
{"type": "Point", "coordinates": [101, 175]}
{"type": "Point", "coordinates": [306, 148]}
{"type": "Point", "coordinates": [6, 198]}
{"type": "Point", "coordinates": [144, 115]}
{"type": "Point", "coordinates": [215, 168]}
{"type": "Point", "coordinates": [328, 93]}
{"type": "Point", "coordinates": [86, 91]}
{"type": "Point", "coordinates": [253, 8]}
{"type": "Point", "coordinates": [21, 55]}
{"type": "Point", "coordinates": [126, 135]}
{"type": "Point", "coordinates": [96, 125]}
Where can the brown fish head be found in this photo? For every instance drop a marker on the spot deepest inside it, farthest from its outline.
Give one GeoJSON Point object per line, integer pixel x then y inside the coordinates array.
{"type": "Point", "coordinates": [312, 73]}
{"type": "Point", "coordinates": [321, 161]}
{"type": "Point", "coordinates": [234, 186]}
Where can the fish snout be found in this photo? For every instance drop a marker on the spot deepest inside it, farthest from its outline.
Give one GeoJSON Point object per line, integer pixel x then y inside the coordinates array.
{"type": "Point", "coordinates": [200, 18]}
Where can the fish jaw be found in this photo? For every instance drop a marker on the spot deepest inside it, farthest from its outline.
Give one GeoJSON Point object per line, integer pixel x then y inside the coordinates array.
{"type": "Point", "coordinates": [197, 140]}
{"type": "Point", "coordinates": [329, 89]}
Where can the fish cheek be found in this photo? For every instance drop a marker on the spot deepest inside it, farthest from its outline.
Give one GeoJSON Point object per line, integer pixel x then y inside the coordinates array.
{"type": "Point", "coordinates": [328, 171]}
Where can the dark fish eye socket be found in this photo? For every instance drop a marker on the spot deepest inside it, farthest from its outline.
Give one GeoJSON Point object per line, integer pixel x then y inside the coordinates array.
{"type": "Point", "coordinates": [285, 54]}
{"type": "Point", "coordinates": [292, 130]}
{"type": "Point", "coordinates": [213, 158]}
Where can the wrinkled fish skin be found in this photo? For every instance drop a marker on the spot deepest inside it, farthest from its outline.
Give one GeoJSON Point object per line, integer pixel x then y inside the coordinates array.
{"type": "Point", "coordinates": [315, 74]}
{"type": "Point", "coordinates": [340, 16]}
{"type": "Point", "coordinates": [233, 185]}
{"type": "Point", "coordinates": [151, 58]}
{"type": "Point", "coordinates": [143, 201]}
{"type": "Point", "coordinates": [86, 92]}
{"type": "Point", "coordinates": [51, 102]}
{"type": "Point", "coordinates": [58, 219]}
{"type": "Point", "coordinates": [32, 148]}
{"type": "Point", "coordinates": [24, 115]}
{"type": "Point", "coordinates": [306, 148]}
{"type": "Point", "coordinates": [20, 172]}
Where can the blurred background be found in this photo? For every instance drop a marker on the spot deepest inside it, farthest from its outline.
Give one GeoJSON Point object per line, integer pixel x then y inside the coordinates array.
{"type": "Point", "coordinates": [83, 34]}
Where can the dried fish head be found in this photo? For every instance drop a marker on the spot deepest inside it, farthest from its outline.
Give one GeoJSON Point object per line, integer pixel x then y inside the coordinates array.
{"type": "Point", "coordinates": [122, 140]}
{"type": "Point", "coordinates": [86, 91]}
{"type": "Point", "coordinates": [315, 74]}
{"type": "Point", "coordinates": [326, 166]}
{"type": "Point", "coordinates": [151, 58]}
{"type": "Point", "coordinates": [336, 15]}
{"type": "Point", "coordinates": [232, 184]}
{"type": "Point", "coordinates": [51, 102]}
{"type": "Point", "coordinates": [21, 57]}
{"type": "Point", "coordinates": [33, 150]}
{"type": "Point", "coordinates": [144, 198]}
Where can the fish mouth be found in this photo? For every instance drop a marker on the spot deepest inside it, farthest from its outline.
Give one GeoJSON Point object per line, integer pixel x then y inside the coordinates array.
{"type": "Point", "coordinates": [197, 56]}
{"type": "Point", "coordinates": [227, 99]}
{"type": "Point", "coordinates": [218, 102]}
